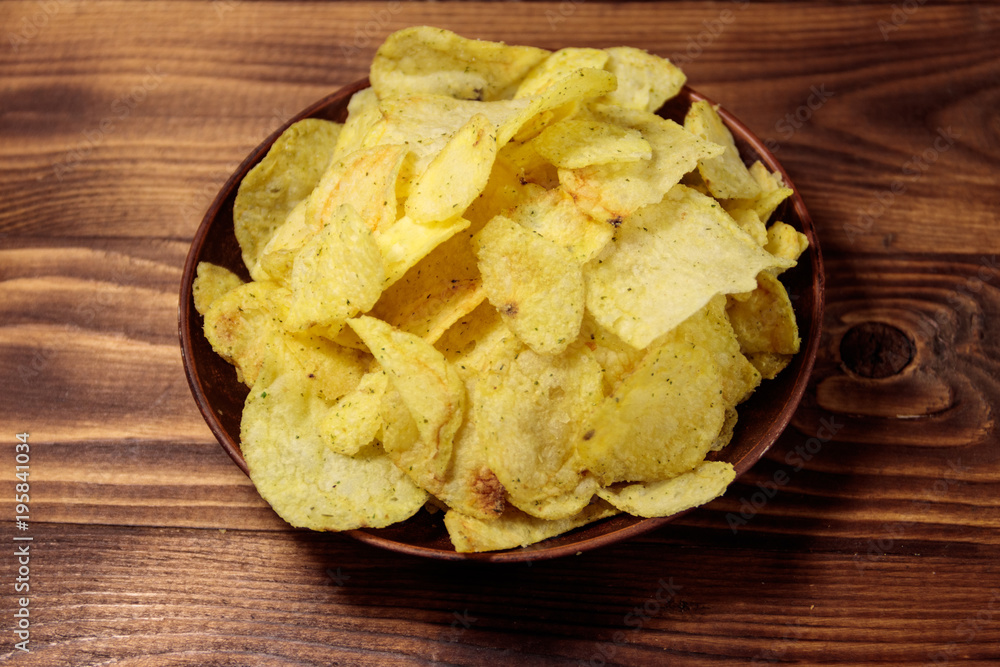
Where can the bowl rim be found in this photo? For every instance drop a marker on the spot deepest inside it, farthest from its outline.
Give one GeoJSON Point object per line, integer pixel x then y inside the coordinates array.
{"type": "Point", "coordinates": [637, 526]}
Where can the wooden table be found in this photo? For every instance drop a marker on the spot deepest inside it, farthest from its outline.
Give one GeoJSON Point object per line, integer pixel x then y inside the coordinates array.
{"type": "Point", "coordinates": [869, 533]}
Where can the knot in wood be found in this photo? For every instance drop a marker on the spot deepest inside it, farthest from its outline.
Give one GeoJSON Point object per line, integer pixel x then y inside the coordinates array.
{"type": "Point", "coordinates": [876, 350]}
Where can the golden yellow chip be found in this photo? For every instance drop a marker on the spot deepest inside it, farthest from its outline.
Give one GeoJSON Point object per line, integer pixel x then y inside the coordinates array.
{"type": "Point", "coordinates": [466, 484]}
{"type": "Point", "coordinates": [616, 357]}
{"type": "Point", "coordinates": [750, 222]}
{"type": "Point", "coordinates": [456, 175]}
{"type": "Point", "coordinates": [645, 81]}
{"type": "Point", "coordinates": [531, 409]}
{"type": "Point", "coordinates": [337, 275]}
{"type": "Point", "coordinates": [772, 193]}
{"type": "Point", "coordinates": [286, 176]}
{"type": "Point", "coordinates": [426, 60]}
{"type": "Point", "coordinates": [660, 421]}
{"type": "Point", "coordinates": [290, 462]}
{"type": "Point", "coordinates": [577, 143]}
{"type": "Point", "coordinates": [558, 66]}
{"type": "Point", "coordinates": [535, 284]}
{"type": "Point", "coordinates": [364, 179]}
{"type": "Point", "coordinates": [363, 113]}
{"type": "Point", "coordinates": [515, 528]}
{"type": "Point", "coordinates": [785, 241]}
{"type": "Point", "coordinates": [406, 242]}
{"type": "Point", "coordinates": [429, 387]}
{"type": "Point", "coordinates": [553, 214]}
{"type": "Point", "coordinates": [612, 192]}
{"type": "Point", "coordinates": [710, 328]}
{"type": "Point", "coordinates": [666, 262]}
{"type": "Point", "coordinates": [707, 481]}
{"type": "Point", "coordinates": [211, 282]}
{"type": "Point", "coordinates": [354, 419]}
{"type": "Point", "coordinates": [765, 325]}
{"type": "Point", "coordinates": [438, 290]}
{"type": "Point", "coordinates": [725, 176]}
{"type": "Point", "coordinates": [242, 324]}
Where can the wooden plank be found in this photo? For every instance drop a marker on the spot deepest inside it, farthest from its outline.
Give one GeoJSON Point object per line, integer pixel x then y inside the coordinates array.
{"type": "Point", "coordinates": [876, 129]}
{"type": "Point", "coordinates": [234, 597]}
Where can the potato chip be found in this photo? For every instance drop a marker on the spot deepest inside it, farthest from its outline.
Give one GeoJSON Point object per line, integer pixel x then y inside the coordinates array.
{"type": "Point", "coordinates": [276, 260]}
{"type": "Point", "coordinates": [242, 324]}
{"type": "Point", "coordinates": [612, 192]}
{"type": "Point", "coordinates": [576, 143]}
{"type": "Point", "coordinates": [426, 60]}
{"type": "Point", "coordinates": [429, 387]}
{"type": "Point", "coordinates": [532, 409]}
{"type": "Point", "coordinates": [765, 324]}
{"type": "Point", "coordinates": [286, 176]}
{"type": "Point", "coordinates": [725, 175]}
{"type": "Point", "coordinates": [553, 214]}
{"type": "Point", "coordinates": [515, 528]}
{"type": "Point", "coordinates": [290, 462]}
{"type": "Point", "coordinates": [438, 290]}
{"type": "Point", "coordinates": [426, 123]}
{"type": "Point", "coordinates": [666, 262]}
{"type": "Point", "coordinates": [707, 481]}
{"type": "Point", "coordinates": [772, 193]}
{"type": "Point", "coordinates": [616, 357]}
{"type": "Point", "coordinates": [363, 113]}
{"type": "Point", "coordinates": [660, 421]}
{"type": "Point", "coordinates": [710, 328]}
{"type": "Point", "coordinates": [535, 284]}
{"type": "Point", "coordinates": [750, 222]}
{"type": "Point", "coordinates": [364, 179]}
{"type": "Point", "coordinates": [456, 175]}
{"type": "Point", "coordinates": [466, 484]}
{"type": "Point", "coordinates": [211, 282]}
{"type": "Point", "coordinates": [337, 275]}
{"type": "Point", "coordinates": [406, 242]}
{"type": "Point", "coordinates": [645, 81]}
{"type": "Point", "coordinates": [785, 241]}
{"type": "Point", "coordinates": [524, 166]}
{"type": "Point", "coordinates": [354, 419]}
{"type": "Point", "coordinates": [558, 66]}
{"type": "Point", "coordinates": [477, 342]}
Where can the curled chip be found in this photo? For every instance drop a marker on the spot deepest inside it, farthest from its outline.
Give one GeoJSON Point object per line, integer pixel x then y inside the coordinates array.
{"type": "Point", "coordinates": [505, 288]}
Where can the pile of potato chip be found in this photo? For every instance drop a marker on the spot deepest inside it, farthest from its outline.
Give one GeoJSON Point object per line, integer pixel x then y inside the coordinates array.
{"type": "Point", "coordinates": [503, 288]}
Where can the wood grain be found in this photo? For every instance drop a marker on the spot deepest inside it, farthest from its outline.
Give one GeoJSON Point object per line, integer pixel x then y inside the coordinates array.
{"type": "Point", "coordinates": [868, 535]}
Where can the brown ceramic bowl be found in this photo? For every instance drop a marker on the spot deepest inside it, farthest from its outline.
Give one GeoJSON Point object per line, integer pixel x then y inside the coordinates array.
{"type": "Point", "coordinates": [762, 418]}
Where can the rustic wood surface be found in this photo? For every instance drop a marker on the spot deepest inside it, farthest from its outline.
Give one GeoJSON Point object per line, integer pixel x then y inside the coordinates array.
{"type": "Point", "coordinates": [870, 534]}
